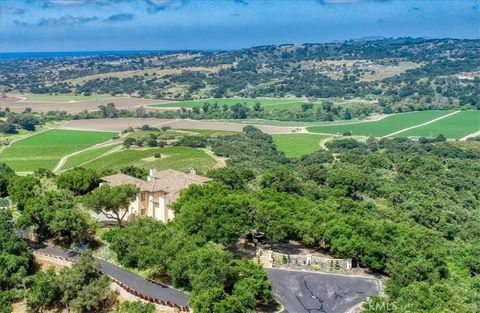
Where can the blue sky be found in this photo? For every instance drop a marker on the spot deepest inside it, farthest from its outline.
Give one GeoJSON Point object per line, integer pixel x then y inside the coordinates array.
{"type": "Point", "coordinates": [77, 25]}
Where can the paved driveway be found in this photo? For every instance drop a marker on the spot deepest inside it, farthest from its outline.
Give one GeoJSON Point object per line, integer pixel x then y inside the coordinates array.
{"type": "Point", "coordinates": [132, 280]}
{"type": "Point", "coordinates": [310, 292]}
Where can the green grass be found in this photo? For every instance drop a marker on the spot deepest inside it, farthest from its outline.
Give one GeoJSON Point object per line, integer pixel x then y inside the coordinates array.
{"type": "Point", "coordinates": [286, 123]}
{"type": "Point", "coordinates": [173, 134]}
{"type": "Point", "coordinates": [65, 97]}
{"type": "Point", "coordinates": [85, 156]}
{"type": "Point", "coordinates": [45, 149]}
{"type": "Point", "coordinates": [455, 126]}
{"type": "Point", "coordinates": [296, 145]}
{"type": "Point", "coordinates": [383, 127]}
{"type": "Point", "coordinates": [267, 103]}
{"type": "Point", "coordinates": [178, 158]}
{"type": "Point", "coordinates": [357, 105]}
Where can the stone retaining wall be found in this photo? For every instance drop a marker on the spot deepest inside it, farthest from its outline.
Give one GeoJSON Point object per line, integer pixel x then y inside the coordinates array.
{"type": "Point", "coordinates": [302, 261]}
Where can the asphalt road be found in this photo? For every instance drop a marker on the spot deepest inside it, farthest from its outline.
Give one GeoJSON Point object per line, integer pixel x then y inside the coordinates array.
{"type": "Point", "coordinates": [132, 280]}
{"type": "Point", "coordinates": [310, 292]}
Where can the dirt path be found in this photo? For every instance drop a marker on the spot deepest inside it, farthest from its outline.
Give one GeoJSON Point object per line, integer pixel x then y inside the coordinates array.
{"type": "Point", "coordinates": [475, 134]}
{"type": "Point", "coordinates": [25, 137]}
{"type": "Point", "coordinates": [120, 124]}
{"type": "Point", "coordinates": [220, 162]}
{"type": "Point", "coordinates": [64, 159]}
{"type": "Point", "coordinates": [420, 125]}
{"type": "Point", "coordinates": [323, 141]}
{"type": "Point", "coordinates": [113, 150]}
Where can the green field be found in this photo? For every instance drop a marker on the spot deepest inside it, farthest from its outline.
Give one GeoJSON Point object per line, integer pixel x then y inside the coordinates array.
{"type": "Point", "coordinates": [45, 149]}
{"type": "Point", "coordinates": [455, 126]}
{"type": "Point", "coordinates": [267, 103]}
{"type": "Point", "coordinates": [296, 145]}
{"type": "Point", "coordinates": [86, 156]}
{"type": "Point", "coordinates": [172, 134]}
{"type": "Point", "coordinates": [64, 97]}
{"type": "Point", "coordinates": [383, 127]}
{"type": "Point", "coordinates": [178, 158]}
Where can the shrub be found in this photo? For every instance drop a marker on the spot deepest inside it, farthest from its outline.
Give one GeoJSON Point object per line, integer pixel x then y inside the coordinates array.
{"type": "Point", "coordinates": [152, 143]}
{"type": "Point", "coordinates": [193, 142]}
{"type": "Point", "coordinates": [135, 307]}
{"type": "Point", "coordinates": [129, 142]}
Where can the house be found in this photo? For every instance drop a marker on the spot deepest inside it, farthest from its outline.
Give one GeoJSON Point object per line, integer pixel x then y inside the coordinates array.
{"type": "Point", "coordinates": [160, 189]}
{"type": "Point", "coordinates": [467, 75]}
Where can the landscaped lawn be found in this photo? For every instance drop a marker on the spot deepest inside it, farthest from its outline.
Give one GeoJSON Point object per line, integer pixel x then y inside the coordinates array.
{"type": "Point", "coordinates": [178, 158]}
{"type": "Point", "coordinates": [383, 127]}
{"type": "Point", "coordinates": [455, 126]}
{"type": "Point", "coordinates": [65, 97]}
{"type": "Point", "coordinates": [296, 145]}
{"type": "Point", "coordinates": [45, 149]}
{"type": "Point", "coordinates": [267, 103]}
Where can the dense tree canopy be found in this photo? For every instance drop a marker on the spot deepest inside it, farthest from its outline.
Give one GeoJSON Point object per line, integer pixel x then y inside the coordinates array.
{"type": "Point", "coordinates": [406, 209]}
{"type": "Point", "coordinates": [22, 188]}
{"type": "Point", "coordinates": [56, 215]}
{"type": "Point", "coordinates": [79, 180]}
{"type": "Point", "coordinates": [111, 201]}
{"type": "Point", "coordinates": [16, 261]}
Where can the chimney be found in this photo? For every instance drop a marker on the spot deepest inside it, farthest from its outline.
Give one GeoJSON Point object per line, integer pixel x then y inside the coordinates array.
{"type": "Point", "coordinates": [151, 174]}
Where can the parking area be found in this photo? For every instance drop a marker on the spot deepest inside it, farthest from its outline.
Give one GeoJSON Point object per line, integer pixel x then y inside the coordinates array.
{"type": "Point", "coordinates": [310, 292]}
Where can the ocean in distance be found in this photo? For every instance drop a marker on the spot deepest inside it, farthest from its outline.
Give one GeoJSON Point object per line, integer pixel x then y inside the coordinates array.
{"type": "Point", "coordinates": [60, 54]}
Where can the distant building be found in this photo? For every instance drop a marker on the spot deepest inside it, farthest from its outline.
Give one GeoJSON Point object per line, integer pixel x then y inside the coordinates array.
{"type": "Point", "coordinates": [467, 75]}
{"type": "Point", "coordinates": [160, 189]}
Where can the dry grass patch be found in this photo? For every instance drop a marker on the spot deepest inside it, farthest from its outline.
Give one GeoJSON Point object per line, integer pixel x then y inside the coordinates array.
{"type": "Point", "coordinates": [150, 71]}
{"type": "Point", "coordinates": [390, 71]}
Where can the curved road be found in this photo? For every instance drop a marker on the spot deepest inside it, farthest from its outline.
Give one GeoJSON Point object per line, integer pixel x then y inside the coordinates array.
{"type": "Point", "coordinates": [132, 280]}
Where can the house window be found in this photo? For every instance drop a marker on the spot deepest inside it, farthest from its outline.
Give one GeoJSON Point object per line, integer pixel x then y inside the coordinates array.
{"type": "Point", "coordinates": [143, 196]}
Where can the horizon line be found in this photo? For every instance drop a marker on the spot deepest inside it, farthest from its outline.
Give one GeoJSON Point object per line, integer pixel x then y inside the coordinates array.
{"type": "Point", "coordinates": [366, 39]}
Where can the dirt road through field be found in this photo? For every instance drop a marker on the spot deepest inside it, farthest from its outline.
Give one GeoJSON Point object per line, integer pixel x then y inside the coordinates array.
{"type": "Point", "coordinates": [121, 124]}
{"type": "Point", "coordinates": [19, 104]}
{"type": "Point", "coordinates": [64, 159]}
{"type": "Point", "coordinates": [420, 125]}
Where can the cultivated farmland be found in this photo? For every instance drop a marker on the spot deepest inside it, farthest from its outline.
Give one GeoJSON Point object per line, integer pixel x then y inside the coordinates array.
{"type": "Point", "coordinates": [87, 156]}
{"type": "Point", "coordinates": [382, 127]}
{"type": "Point", "coordinates": [267, 103]}
{"type": "Point", "coordinates": [120, 124]}
{"type": "Point", "coordinates": [44, 150]}
{"type": "Point", "coordinates": [178, 158]}
{"type": "Point", "coordinates": [296, 145]}
{"type": "Point", "coordinates": [65, 97]}
{"type": "Point", "coordinates": [455, 126]}
{"type": "Point", "coordinates": [45, 103]}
